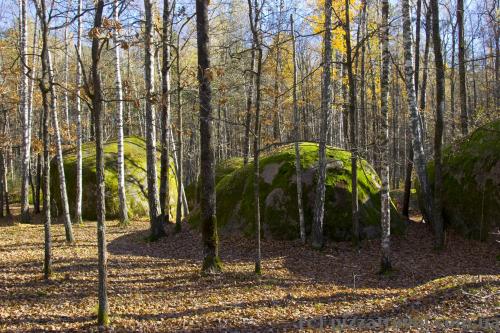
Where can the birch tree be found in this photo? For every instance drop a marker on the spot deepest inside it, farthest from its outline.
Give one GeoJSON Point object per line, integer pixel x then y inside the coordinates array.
{"type": "Point", "coordinates": [296, 123]}
{"type": "Point", "coordinates": [59, 154]}
{"type": "Point", "coordinates": [319, 203]}
{"type": "Point", "coordinates": [461, 68]}
{"type": "Point", "coordinates": [122, 196]}
{"type": "Point", "coordinates": [24, 110]}
{"type": "Point", "coordinates": [383, 141]}
{"type": "Point", "coordinates": [210, 238]}
{"type": "Point", "coordinates": [78, 185]}
{"type": "Point", "coordinates": [156, 223]}
{"type": "Point", "coordinates": [416, 128]}
{"type": "Point", "coordinates": [165, 116]}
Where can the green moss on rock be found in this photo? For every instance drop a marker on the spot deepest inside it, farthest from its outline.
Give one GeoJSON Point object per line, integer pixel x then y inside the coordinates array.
{"type": "Point", "coordinates": [278, 196]}
{"type": "Point", "coordinates": [135, 180]}
{"type": "Point", "coordinates": [471, 182]}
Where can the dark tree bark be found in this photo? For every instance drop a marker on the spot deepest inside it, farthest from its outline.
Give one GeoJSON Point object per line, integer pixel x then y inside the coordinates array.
{"type": "Point", "coordinates": [210, 238]}
{"type": "Point", "coordinates": [44, 85]}
{"type": "Point", "coordinates": [437, 220]}
{"type": "Point", "coordinates": [353, 129]}
{"type": "Point", "coordinates": [296, 123]}
{"type": "Point", "coordinates": [254, 16]}
{"type": "Point", "coordinates": [97, 106]}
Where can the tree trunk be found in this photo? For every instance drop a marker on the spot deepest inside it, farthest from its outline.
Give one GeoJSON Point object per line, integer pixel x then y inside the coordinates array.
{"type": "Point", "coordinates": [319, 204]}
{"type": "Point", "coordinates": [122, 196]}
{"type": "Point", "coordinates": [165, 116]}
{"type": "Point", "coordinates": [417, 135]}
{"type": "Point", "coordinates": [156, 223]}
{"type": "Point", "coordinates": [464, 121]}
{"type": "Point", "coordinates": [296, 123]}
{"type": "Point", "coordinates": [248, 116]}
{"type": "Point", "coordinates": [254, 16]}
{"type": "Point", "coordinates": [353, 129]}
{"type": "Point", "coordinates": [59, 155]}
{"type": "Point", "coordinates": [79, 189]}
{"type": "Point", "coordinates": [437, 221]}
{"type": "Point", "coordinates": [24, 110]}
{"type": "Point", "coordinates": [383, 141]}
{"type": "Point", "coordinates": [180, 147]}
{"type": "Point", "coordinates": [210, 238]}
{"type": "Point", "coordinates": [66, 72]}
{"type": "Point", "coordinates": [44, 85]}
{"type": "Point", "coordinates": [97, 105]}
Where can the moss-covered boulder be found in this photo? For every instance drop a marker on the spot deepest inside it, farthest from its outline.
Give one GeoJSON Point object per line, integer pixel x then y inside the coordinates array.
{"type": "Point", "coordinates": [278, 196]}
{"type": "Point", "coordinates": [222, 169]}
{"type": "Point", "coordinates": [471, 183]}
{"type": "Point", "coordinates": [135, 180]}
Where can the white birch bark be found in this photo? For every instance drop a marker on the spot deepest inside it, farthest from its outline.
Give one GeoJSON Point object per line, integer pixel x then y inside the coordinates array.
{"type": "Point", "coordinates": [417, 134]}
{"type": "Point", "coordinates": [59, 155]}
{"type": "Point", "coordinates": [119, 105]}
{"type": "Point", "coordinates": [319, 206]}
{"type": "Point", "coordinates": [66, 72]}
{"type": "Point", "coordinates": [24, 110]}
{"type": "Point", "coordinates": [383, 141]}
{"type": "Point", "coordinates": [156, 225]}
{"type": "Point", "coordinates": [79, 190]}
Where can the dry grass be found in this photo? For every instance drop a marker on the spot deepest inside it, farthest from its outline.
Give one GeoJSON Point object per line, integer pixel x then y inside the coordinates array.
{"type": "Point", "coordinates": [157, 286]}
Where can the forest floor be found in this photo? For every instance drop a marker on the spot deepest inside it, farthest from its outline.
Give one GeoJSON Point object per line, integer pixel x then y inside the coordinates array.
{"type": "Point", "coordinates": [158, 286]}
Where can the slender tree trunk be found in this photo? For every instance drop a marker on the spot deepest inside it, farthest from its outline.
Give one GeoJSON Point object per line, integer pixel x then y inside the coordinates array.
{"type": "Point", "coordinates": [66, 73]}
{"type": "Point", "coordinates": [97, 105]}
{"type": "Point", "coordinates": [438, 129]}
{"type": "Point", "coordinates": [156, 223]}
{"type": "Point", "coordinates": [354, 127]}
{"type": "Point", "coordinates": [383, 142]}
{"type": "Point", "coordinates": [409, 162]}
{"type": "Point", "coordinates": [47, 267]}
{"type": "Point", "coordinates": [248, 116]}
{"type": "Point", "coordinates": [2, 192]}
{"type": "Point", "coordinates": [122, 195]}
{"type": "Point", "coordinates": [59, 155]}
{"type": "Point", "coordinates": [464, 121]}
{"type": "Point", "coordinates": [254, 17]}
{"type": "Point", "coordinates": [417, 135]}
{"type": "Point", "coordinates": [165, 117]}
{"type": "Point", "coordinates": [278, 81]}
{"type": "Point", "coordinates": [24, 110]}
{"type": "Point", "coordinates": [362, 89]}
{"type": "Point", "coordinates": [452, 82]}
{"type": "Point", "coordinates": [44, 85]}
{"type": "Point", "coordinates": [178, 158]}
{"type": "Point", "coordinates": [319, 204]}
{"type": "Point", "coordinates": [210, 238]}
{"type": "Point", "coordinates": [79, 189]}
{"type": "Point", "coordinates": [296, 123]}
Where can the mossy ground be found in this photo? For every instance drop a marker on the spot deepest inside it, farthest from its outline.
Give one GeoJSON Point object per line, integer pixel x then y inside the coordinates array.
{"type": "Point", "coordinates": [278, 198]}
{"type": "Point", "coordinates": [135, 180]}
{"type": "Point", "coordinates": [471, 182]}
